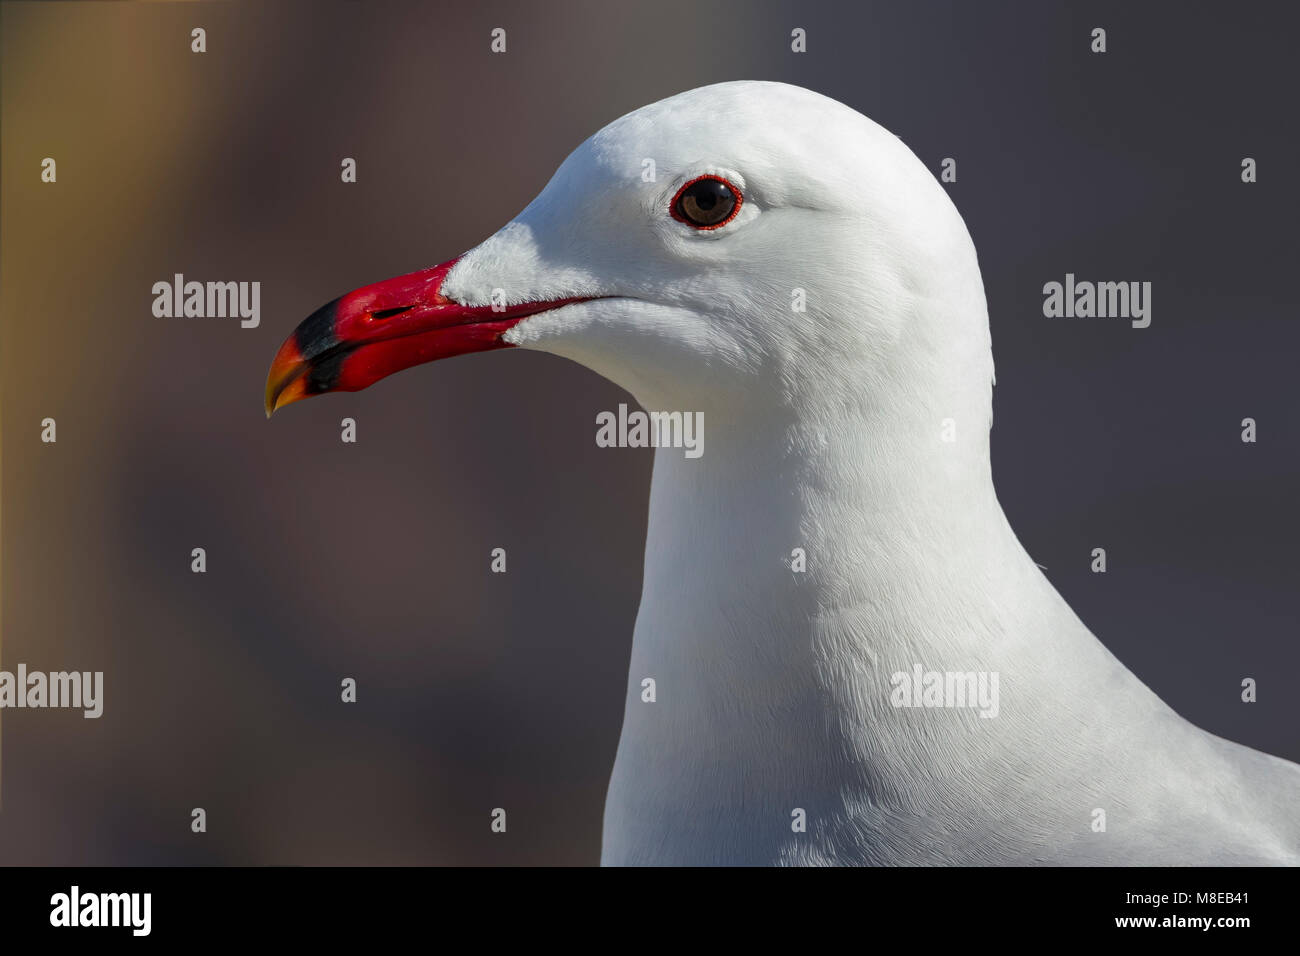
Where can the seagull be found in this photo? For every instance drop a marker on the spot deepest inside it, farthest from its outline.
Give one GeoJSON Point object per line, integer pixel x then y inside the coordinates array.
{"type": "Point", "coordinates": [773, 260]}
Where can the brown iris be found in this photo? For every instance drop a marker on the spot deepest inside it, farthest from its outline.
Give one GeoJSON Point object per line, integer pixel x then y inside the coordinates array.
{"type": "Point", "coordinates": [706, 202]}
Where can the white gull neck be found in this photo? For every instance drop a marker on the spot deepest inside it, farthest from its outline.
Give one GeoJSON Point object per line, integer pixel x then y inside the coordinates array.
{"type": "Point", "coordinates": [773, 684]}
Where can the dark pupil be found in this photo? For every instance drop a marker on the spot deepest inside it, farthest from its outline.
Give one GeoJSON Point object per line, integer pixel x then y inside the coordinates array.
{"type": "Point", "coordinates": [708, 196]}
{"type": "Point", "coordinates": [706, 203]}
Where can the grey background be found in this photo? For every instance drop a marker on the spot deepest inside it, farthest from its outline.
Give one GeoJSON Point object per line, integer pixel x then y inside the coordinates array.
{"type": "Point", "coordinates": [329, 560]}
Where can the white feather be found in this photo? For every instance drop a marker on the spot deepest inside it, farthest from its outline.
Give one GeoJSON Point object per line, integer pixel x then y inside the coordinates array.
{"type": "Point", "coordinates": [824, 432]}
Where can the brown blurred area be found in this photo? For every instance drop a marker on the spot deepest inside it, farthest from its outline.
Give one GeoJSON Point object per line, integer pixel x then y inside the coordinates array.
{"type": "Point", "coordinates": [370, 561]}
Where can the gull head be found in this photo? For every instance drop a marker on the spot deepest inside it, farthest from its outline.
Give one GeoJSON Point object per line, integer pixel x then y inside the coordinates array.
{"type": "Point", "coordinates": [744, 248]}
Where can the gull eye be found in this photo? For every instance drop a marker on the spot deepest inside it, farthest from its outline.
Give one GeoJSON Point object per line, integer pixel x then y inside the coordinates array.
{"type": "Point", "coordinates": [706, 202]}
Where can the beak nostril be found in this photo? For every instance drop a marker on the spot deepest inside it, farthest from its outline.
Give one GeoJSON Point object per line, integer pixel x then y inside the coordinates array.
{"type": "Point", "coordinates": [387, 313]}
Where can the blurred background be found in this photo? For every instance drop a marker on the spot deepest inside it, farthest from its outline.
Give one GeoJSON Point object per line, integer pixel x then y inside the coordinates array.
{"type": "Point", "coordinates": [370, 561]}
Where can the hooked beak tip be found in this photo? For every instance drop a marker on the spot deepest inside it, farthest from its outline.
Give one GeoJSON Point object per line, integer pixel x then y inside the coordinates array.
{"type": "Point", "coordinates": [285, 389]}
{"type": "Point", "coordinates": [286, 379]}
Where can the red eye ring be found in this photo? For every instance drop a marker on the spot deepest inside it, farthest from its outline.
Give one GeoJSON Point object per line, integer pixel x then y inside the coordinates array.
{"type": "Point", "coordinates": [675, 212]}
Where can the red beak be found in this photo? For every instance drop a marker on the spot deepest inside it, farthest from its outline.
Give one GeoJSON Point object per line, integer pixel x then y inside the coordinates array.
{"type": "Point", "coordinates": [379, 329]}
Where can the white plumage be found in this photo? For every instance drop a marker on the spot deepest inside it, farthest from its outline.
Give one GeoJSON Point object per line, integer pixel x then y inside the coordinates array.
{"type": "Point", "coordinates": [825, 432]}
